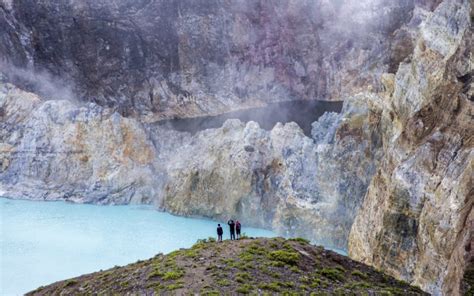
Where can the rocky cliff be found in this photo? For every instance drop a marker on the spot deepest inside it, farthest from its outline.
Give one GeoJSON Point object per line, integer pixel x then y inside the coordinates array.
{"type": "Point", "coordinates": [95, 152]}
{"type": "Point", "coordinates": [186, 58]}
{"type": "Point", "coordinates": [278, 179]}
{"type": "Point", "coordinates": [390, 177]}
{"type": "Point", "coordinates": [415, 221]}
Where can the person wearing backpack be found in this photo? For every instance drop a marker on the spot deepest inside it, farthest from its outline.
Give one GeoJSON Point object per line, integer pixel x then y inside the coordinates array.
{"type": "Point", "coordinates": [220, 232]}
{"type": "Point", "coordinates": [238, 226]}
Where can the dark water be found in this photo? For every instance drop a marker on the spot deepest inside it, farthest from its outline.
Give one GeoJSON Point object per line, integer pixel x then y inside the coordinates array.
{"type": "Point", "coordinates": [302, 112]}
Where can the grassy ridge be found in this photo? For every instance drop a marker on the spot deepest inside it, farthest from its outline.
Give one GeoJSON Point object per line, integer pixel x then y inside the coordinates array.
{"type": "Point", "coordinates": [247, 266]}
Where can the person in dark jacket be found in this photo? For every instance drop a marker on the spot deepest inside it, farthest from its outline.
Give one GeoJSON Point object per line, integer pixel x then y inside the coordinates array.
{"type": "Point", "coordinates": [237, 228]}
{"type": "Point", "coordinates": [220, 232]}
{"type": "Point", "coordinates": [232, 229]}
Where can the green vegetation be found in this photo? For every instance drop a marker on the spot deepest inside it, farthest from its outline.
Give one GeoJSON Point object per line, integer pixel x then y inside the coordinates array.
{"type": "Point", "coordinates": [295, 269]}
{"type": "Point", "coordinates": [300, 239]}
{"type": "Point", "coordinates": [246, 266]}
{"type": "Point", "coordinates": [173, 275]}
{"type": "Point", "coordinates": [277, 264]}
{"type": "Point", "coordinates": [271, 286]}
{"type": "Point", "coordinates": [70, 283]}
{"type": "Point", "coordinates": [174, 286]}
{"type": "Point", "coordinates": [242, 277]}
{"type": "Point", "coordinates": [192, 253]}
{"type": "Point", "coordinates": [319, 283]}
{"type": "Point", "coordinates": [223, 282]}
{"type": "Point", "coordinates": [287, 257]}
{"type": "Point", "coordinates": [333, 274]}
{"type": "Point", "coordinates": [245, 289]}
{"type": "Point", "coordinates": [246, 256]}
{"type": "Point", "coordinates": [124, 284]}
{"type": "Point", "coordinates": [359, 274]}
{"type": "Point", "coordinates": [155, 273]}
{"type": "Point", "coordinates": [256, 250]}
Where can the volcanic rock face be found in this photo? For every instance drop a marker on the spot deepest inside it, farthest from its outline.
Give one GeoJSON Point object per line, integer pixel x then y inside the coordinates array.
{"type": "Point", "coordinates": [279, 179]}
{"type": "Point", "coordinates": [397, 159]}
{"type": "Point", "coordinates": [55, 149]}
{"type": "Point", "coordinates": [186, 58]}
{"type": "Point", "coordinates": [416, 219]}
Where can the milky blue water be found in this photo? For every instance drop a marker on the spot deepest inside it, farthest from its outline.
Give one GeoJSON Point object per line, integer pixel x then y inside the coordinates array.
{"type": "Point", "coordinates": [43, 242]}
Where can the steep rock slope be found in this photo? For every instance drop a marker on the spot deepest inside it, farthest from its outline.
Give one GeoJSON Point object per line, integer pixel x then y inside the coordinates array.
{"type": "Point", "coordinates": [416, 219]}
{"type": "Point", "coordinates": [278, 179]}
{"type": "Point", "coordinates": [412, 143]}
{"type": "Point", "coordinates": [165, 58]}
{"type": "Point", "coordinates": [247, 266]}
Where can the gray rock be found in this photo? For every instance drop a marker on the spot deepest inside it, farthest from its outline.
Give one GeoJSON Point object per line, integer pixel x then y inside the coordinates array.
{"type": "Point", "coordinates": [394, 169]}
{"type": "Point", "coordinates": [164, 59]}
{"type": "Point", "coordinates": [278, 179]}
{"type": "Point", "coordinates": [415, 222]}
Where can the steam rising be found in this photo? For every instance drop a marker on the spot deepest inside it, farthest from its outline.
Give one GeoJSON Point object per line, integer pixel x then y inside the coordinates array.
{"type": "Point", "coordinates": [304, 113]}
{"type": "Point", "coordinates": [41, 82]}
{"type": "Point", "coordinates": [189, 58]}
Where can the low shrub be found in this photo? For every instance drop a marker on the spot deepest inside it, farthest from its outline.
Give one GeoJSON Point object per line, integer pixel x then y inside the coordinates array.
{"type": "Point", "coordinates": [173, 275]}
{"type": "Point", "coordinates": [244, 289]}
{"type": "Point", "coordinates": [284, 256]}
{"type": "Point", "coordinates": [333, 274]}
{"type": "Point", "coordinates": [300, 239]}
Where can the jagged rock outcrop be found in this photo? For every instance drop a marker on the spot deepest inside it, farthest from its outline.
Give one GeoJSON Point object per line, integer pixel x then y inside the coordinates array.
{"type": "Point", "coordinates": [402, 153]}
{"type": "Point", "coordinates": [415, 221]}
{"type": "Point", "coordinates": [278, 179]}
{"type": "Point", "coordinates": [59, 150]}
{"type": "Point", "coordinates": [186, 58]}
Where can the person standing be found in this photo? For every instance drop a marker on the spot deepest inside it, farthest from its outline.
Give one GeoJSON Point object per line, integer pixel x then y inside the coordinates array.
{"type": "Point", "coordinates": [220, 232]}
{"type": "Point", "coordinates": [232, 229]}
{"type": "Point", "coordinates": [237, 228]}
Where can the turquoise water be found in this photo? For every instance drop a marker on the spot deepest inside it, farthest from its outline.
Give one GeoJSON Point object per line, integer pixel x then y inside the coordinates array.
{"type": "Point", "coordinates": [43, 242]}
